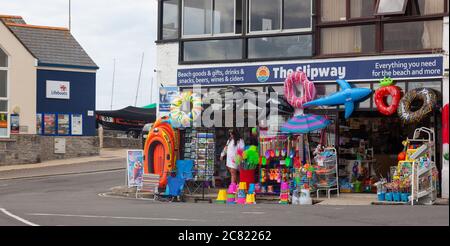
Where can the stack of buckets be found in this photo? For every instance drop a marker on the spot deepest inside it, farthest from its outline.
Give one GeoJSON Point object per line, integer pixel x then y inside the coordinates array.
{"type": "Point", "coordinates": [237, 194]}
{"type": "Point", "coordinates": [284, 193]}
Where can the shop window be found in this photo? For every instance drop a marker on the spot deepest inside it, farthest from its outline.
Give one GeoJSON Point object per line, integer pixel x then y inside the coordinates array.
{"type": "Point", "coordinates": [213, 50]}
{"type": "Point", "coordinates": [365, 103]}
{"type": "Point", "coordinates": [49, 124]}
{"type": "Point", "coordinates": [429, 7]}
{"type": "Point", "coordinates": [416, 35]}
{"type": "Point", "coordinates": [297, 14]}
{"type": "Point", "coordinates": [391, 7]}
{"type": "Point", "coordinates": [278, 47]}
{"type": "Point", "coordinates": [333, 10]}
{"type": "Point", "coordinates": [435, 85]}
{"type": "Point", "coordinates": [170, 19]}
{"type": "Point", "coordinates": [212, 17]}
{"type": "Point", "coordinates": [265, 15]}
{"type": "Point", "coordinates": [352, 39]}
{"type": "Point", "coordinates": [3, 83]}
{"type": "Point", "coordinates": [362, 8]}
{"type": "Point", "coordinates": [324, 90]}
{"type": "Point", "coordinates": [63, 124]}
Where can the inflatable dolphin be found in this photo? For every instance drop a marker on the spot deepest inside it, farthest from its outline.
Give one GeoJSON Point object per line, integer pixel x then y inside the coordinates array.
{"type": "Point", "coordinates": [348, 96]}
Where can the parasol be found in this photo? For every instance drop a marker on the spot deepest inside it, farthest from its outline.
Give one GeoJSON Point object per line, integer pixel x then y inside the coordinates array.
{"type": "Point", "coordinates": [305, 123]}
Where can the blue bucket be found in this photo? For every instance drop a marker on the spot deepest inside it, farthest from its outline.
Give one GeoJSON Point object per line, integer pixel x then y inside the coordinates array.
{"type": "Point", "coordinates": [388, 196]}
{"type": "Point", "coordinates": [396, 196]}
{"type": "Point", "coordinates": [381, 196]}
{"type": "Point", "coordinates": [405, 197]}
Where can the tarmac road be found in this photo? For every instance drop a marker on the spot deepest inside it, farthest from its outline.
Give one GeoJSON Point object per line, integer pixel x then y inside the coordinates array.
{"type": "Point", "coordinates": [73, 200]}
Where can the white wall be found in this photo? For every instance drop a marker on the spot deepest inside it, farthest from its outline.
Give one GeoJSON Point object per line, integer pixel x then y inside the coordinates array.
{"type": "Point", "coordinates": [22, 79]}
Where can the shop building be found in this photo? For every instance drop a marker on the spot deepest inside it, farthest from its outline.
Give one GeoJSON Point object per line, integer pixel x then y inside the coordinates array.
{"type": "Point", "coordinates": [47, 94]}
{"type": "Point", "coordinates": [256, 43]}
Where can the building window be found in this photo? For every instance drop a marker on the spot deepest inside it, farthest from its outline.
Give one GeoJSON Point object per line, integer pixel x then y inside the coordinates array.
{"type": "Point", "coordinates": [4, 100]}
{"type": "Point", "coordinates": [212, 50]}
{"type": "Point", "coordinates": [365, 103]}
{"type": "Point", "coordinates": [277, 15]}
{"type": "Point", "coordinates": [352, 39]}
{"type": "Point", "coordinates": [212, 17]}
{"type": "Point", "coordinates": [170, 19]}
{"type": "Point", "coordinates": [333, 10]}
{"type": "Point", "coordinates": [435, 85]}
{"type": "Point", "coordinates": [324, 90]}
{"type": "Point", "coordinates": [391, 7]}
{"type": "Point", "coordinates": [362, 8]}
{"type": "Point", "coordinates": [297, 14]}
{"type": "Point", "coordinates": [416, 35]}
{"type": "Point", "coordinates": [277, 47]}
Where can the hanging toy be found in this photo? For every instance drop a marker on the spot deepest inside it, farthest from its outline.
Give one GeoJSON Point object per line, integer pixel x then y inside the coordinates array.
{"type": "Point", "coordinates": [387, 89]}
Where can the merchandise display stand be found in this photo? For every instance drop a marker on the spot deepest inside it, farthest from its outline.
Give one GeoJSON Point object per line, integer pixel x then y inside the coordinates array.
{"type": "Point", "coordinates": [204, 162]}
{"type": "Point", "coordinates": [424, 183]}
{"type": "Point", "coordinates": [328, 173]}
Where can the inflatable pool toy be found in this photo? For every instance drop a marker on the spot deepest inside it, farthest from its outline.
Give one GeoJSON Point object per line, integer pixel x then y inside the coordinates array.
{"type": "Point", "coordinates": [160, 149]}
{"type": "Point", "coordinates": [348, 96]}
{"type": "Point", "coordinates": [380, 99]}
{"type": "Point", "coordinates": [386, 82]}
{"type": "Point", "coordinates": [428, 100]}
{"type": "Point", "coordinates": [309, 90]}
{"type": "Point", "coordinates": [185, 109]}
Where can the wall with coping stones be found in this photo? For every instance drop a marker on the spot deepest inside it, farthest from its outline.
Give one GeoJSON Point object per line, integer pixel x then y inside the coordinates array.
{"type": "Point", "coordinates": [29, 149]}
{"type": "Point", "coordinates": [129, 143]}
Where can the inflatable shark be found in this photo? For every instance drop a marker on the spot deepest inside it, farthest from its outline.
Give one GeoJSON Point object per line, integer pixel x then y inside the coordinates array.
{"type": "Point", "coordinates": [348, 96]}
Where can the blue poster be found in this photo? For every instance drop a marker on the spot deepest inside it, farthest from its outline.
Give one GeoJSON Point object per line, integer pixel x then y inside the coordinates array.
{"type": "Point", "coordinates": [166, 95]}
{"type": "Point", "coordinates": [368, 69]}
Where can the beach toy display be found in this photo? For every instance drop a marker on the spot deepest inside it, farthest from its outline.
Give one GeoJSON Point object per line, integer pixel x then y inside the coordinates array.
{"type": "Point", "coordinates": [185, 109]}
{"type": "Point", "coordinates": [427, 98]}
{"type": "Point", "coordinates": [231, 194]}
{"type": "Point", "coordinates": [160, 149]}
{"type": "Point", "coordinates": [381, 94]}
{"type": "Point", "coordinates": [241, 196]}
{"type": "Point", "coordinates": [284, 193]}
{"type": "Point", "coordinates": [348, 97]}
{"type": "Point", "coordinates": [290, 84]}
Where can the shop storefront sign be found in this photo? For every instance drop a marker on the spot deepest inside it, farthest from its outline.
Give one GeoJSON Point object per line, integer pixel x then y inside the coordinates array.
{"type": "Point", "coordinates": [366, 69]}
{"type": "Point", "coordinates": [58, 89]}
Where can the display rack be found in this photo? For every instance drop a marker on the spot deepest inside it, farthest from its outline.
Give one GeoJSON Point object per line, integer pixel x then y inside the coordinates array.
{"type": "Point", "coordinates": [424, 183]}
{"type": "Point", "coordinates": [204, 159]}
{"type": "Point", "coordinates": [327, 173]}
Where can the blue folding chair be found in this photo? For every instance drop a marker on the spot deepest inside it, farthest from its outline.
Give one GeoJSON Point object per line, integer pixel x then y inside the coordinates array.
{"type": "Point", "coordinates": [185, 170]}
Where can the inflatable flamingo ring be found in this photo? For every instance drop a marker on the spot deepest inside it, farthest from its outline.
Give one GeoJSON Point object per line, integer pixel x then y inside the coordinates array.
{"type": "Point", "coordinates": [309, 91]}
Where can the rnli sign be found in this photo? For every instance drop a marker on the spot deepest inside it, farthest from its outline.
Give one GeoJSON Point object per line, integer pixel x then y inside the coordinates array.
{"type": "Point", "coordinates": [58, 89]}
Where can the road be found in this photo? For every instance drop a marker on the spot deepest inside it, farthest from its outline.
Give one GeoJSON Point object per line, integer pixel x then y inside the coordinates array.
{"type": "Point", "coordinates": [74, 200]}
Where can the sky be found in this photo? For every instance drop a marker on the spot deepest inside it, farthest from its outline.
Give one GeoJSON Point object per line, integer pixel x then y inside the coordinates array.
{"type": "Point", "coordinates": [107, 30]}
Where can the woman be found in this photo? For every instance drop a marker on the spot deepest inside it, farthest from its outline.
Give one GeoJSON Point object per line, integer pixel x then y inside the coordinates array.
{"type": "Point", "coordinates": [234, 143]}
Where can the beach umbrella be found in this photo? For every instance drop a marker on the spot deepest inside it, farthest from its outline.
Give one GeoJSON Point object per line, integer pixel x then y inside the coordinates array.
{"type": "Point", "coordinates": [305, 124]}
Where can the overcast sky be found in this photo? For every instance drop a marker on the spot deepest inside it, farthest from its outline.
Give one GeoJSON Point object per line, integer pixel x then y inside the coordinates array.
{"type": "Point", "coordinates": [106, 29]}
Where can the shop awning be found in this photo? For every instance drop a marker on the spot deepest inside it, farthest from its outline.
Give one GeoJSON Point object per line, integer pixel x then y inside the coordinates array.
{"type": "Point", "coordinates": [127, 118]}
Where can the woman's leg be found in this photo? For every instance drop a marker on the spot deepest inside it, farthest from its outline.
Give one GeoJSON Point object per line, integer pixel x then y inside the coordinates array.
{"type": "Point", "coordinates": [233, 173]}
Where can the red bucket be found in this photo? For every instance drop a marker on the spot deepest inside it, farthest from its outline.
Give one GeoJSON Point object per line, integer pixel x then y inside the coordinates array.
{"type": "Point", "coordinates": [247, 176]}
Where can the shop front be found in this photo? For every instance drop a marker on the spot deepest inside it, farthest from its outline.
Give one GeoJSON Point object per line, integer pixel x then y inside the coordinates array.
{"type": "Point", "coordinates": [362, 148]}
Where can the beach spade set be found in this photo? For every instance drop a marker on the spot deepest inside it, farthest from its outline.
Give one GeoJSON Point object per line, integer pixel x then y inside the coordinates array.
{"type": "Point", "coordinates": [281, 148]}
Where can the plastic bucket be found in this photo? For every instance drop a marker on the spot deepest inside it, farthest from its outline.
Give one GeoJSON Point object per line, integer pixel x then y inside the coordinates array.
{"type": "Point", "coordinates": [396, 196]}
{"type": "Point", "coordinates": [381, 196]}
{"type": "Point", "coordinates": [357, 187]}
{"type": "Point", "coordinates": [389, 197]}
{"type": "Point", "coordinates": [405, 197]}
{"type": "Point", "coordinates": [247, 176]}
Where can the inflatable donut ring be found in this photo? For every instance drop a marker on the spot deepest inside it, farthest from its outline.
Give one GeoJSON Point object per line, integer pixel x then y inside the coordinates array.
{"type": "Point", "coordinates": [309, 91]}
{"type": "Point", "coordinates": [428, 98]}
{"type": "Point", "coordinates": [380, 99]}
{"type": "Point", "coordinates": [180, 118]}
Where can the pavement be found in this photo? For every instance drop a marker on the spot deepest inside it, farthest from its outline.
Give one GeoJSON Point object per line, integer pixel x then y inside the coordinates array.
{"type": "Point", "coordinates": [109, 159]}
{"type": "Point", "coordinates": [71, 195]}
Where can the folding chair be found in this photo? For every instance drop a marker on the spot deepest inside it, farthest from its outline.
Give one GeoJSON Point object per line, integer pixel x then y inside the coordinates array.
{"type": "Point", "coordinates": [150, 185]}
{"type": "Point", "coordinates": [175, 187]}
{"type": "Point", "coordinates": [186, 172]}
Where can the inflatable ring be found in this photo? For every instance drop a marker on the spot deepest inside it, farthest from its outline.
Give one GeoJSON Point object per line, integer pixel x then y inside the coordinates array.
{"type": "Point", "coordinates": [180, 118]}
{"type": "Point", "coordinates": [428, 98]}
{"type": "Point", "coordinates": [309, 91]}
{"type": "Point", "coordinates": [380, 99]}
